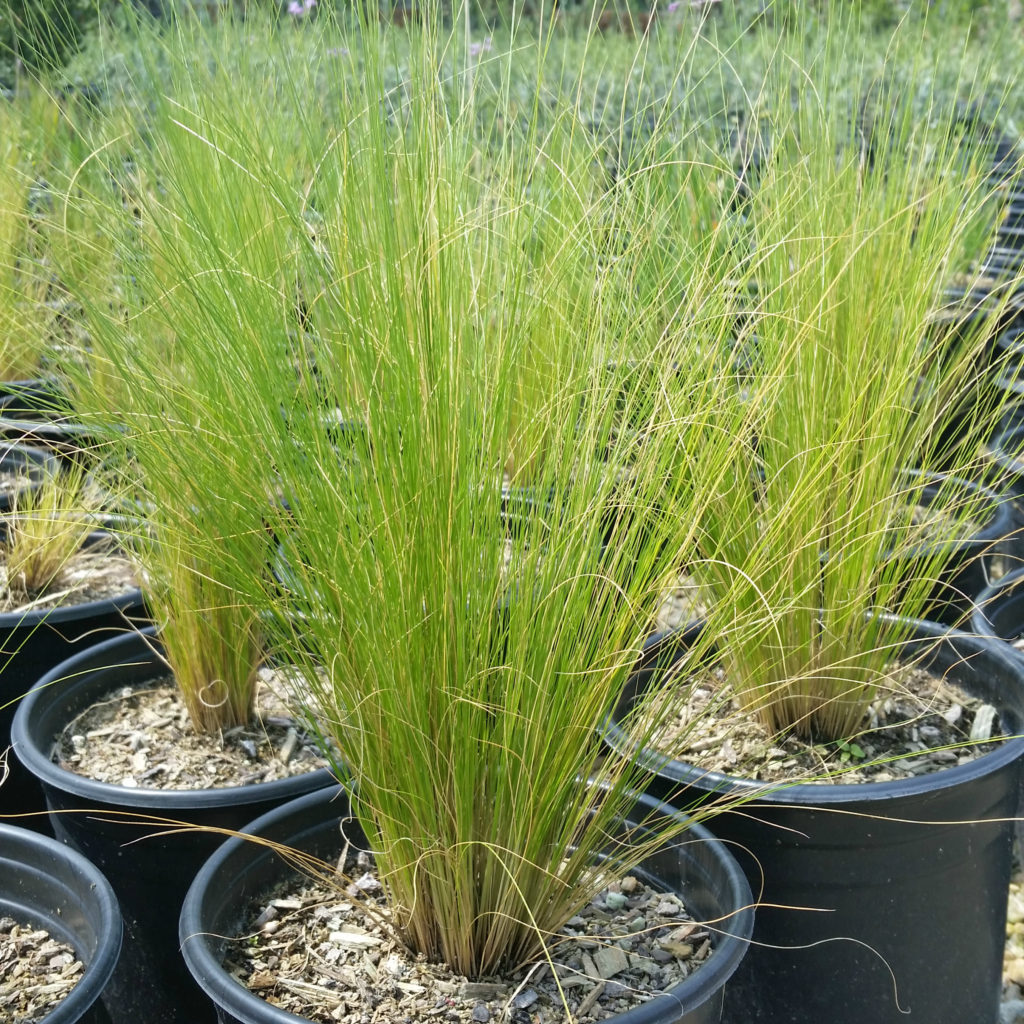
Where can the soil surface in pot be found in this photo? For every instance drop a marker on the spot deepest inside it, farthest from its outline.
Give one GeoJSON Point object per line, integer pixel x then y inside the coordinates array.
{"type": "Point", "coordinates": [141, 736]}
{"type": "Point", "coordinates": [312, 949]}
{"type": "Point", "coordinates": [96, 573]}
{"type": "Point", "coordinates": [36, 972]}
{"type": "Point", "coordinates": [918, 724]}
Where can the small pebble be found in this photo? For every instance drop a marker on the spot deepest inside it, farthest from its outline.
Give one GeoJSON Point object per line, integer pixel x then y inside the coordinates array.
{"type": "Point", "coordinates": [481, 1014]}
{"type": "Point", "coordinates": [268, 915]}
{"type": "Point", "coordinates": [287, 751]}
{"type": "Point", "coordinates": [1012, 1012]}
{"type": "Point", "coordinates": [610, 961]}
{"type": "Point", "coordinates": [524, 1000]}
{"type": "Point", "coordinates": [394, 966]}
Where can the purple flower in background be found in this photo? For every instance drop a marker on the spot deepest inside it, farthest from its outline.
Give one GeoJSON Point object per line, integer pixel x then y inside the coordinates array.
{"type": "Point", "coordinates": [673, 7]}
{"type": "Point", "coordinates": [475, 49]}
{"type": "Point", "coordinates": [300, 8]}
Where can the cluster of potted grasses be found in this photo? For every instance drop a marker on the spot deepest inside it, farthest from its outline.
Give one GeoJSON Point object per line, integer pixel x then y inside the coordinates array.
{"type": "Point", "coordinates": [325, 371]}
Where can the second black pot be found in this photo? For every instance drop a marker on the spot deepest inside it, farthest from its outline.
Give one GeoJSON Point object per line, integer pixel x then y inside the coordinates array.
{"type": "Point", "coordinates": [1000, 609]}
{"type": "Point", "coordinates": [905, 882]}
{"type": "Point", "coordinates": [31, 644]}
{"type": "Point", "coordinates": [149, 875]}
{"type": "Point", "coordinates": [33, 464]}
{"type": "Point", "coordinates": [45, 885]}
{"type": "Point", "coordinates": [969, 563]}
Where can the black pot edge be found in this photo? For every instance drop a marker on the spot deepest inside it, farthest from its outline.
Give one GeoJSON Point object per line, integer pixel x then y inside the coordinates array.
{"type": "Point", "coordinates": [1004, 523]}
{"type": "Point", "coordinates": [981, 624]}
{"type": "Point", "coordinates": [233, 996]}
{"type": "Point", "coordinates": [96, 896]}
{"type": "Point", "coordinates": [130, 599]}
{"type": "Point", "coordinates": [824, 795]}
{"type": "Point", "coordinates": [141, 646]}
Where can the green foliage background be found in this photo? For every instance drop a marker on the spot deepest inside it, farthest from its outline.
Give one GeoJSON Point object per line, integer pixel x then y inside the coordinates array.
{"type": "Point", "coordinates": [39, 34]}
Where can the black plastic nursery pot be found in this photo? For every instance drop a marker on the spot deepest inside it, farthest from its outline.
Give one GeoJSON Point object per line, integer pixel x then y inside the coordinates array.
{"type": "Point", "coordinates": [1013, 212]}
{"type": "Point", "coordinates": [32, 412]}
{"type": "Point", "coordinates": [971, 563]}
{"type": "Point", "coordinates": [702, 872]}
{"type": "Point", "coordinates": [1011, 228]}
{"type": "Point", "coordinates": [1002, 261]}
{"type": "Point", "coordinates": [43, 884]}
{"type": "Point", "coordinates": [1000, 613]}
{"type": "Point", "coordinates": [62, 437]}
{"type": "Point", "coordinates": [1010, 236]}
{"type": "Point", "coordinates": [1000, 609]}
{"type": "Point", "coordinates": [31, 644]}
{"type": "Point", "coordinates": [29, 392]}
{"type": "Point", "coordinates": [904, 883]}
{"type": "Point", "coordinates": [149, 873]}
{"type": "Point", "coordinates": [1008, 348]}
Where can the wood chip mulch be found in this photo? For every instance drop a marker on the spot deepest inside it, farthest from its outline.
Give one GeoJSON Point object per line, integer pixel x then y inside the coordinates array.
{"type": "Point", "coordinates": [918, 724]}
{"type": "Point", "coordinates": [36, 972]}
{"type": "Point", "coordinates": [95, 573]}
{"type": "Point", "coordinates": [141, 736]}
{"type": "Point", "coordinates": [310, 948]}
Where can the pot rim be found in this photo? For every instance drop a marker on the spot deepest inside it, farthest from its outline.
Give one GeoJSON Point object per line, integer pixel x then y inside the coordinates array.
{"type": "Point", "coordinates": [1002, 524]}
{"type": "Point", "coordinates": [824, 795]}
{"type": "Point", "coordinates": [31, 737]}
{"type": "Point", "coordinates": [981, 624]}
{"type": "Point", "coordinates": [23, 847]}
{"type": "Point", "coordinates": [207, 969]}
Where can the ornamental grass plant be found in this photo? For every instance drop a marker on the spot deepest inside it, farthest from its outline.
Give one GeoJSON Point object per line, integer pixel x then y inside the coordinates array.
{"type": "Point", "coordinates": [462, 668]}
{"type": "Point", "coordinates": [348, 337]}
{"type": "Point", "coordinates": [47, 526]}
{"type": "Point", "coordinates": [862, 216]}
{"type": "Point", "coordinates": [196, 267]}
